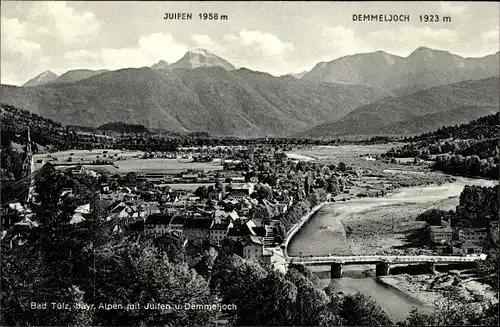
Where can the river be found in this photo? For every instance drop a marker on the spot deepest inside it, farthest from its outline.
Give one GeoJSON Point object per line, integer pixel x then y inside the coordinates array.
{"type": "Point", "coordinates": [324, 234]}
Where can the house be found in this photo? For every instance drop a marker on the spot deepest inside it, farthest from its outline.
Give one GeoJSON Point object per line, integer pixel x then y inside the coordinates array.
{"type": "Point", "coordinates": [119, 210]}
{"type": "Point", "coordinates": [239, 190]}
{"type": "Point", "coordinates": [177, 223]}
{"type": "Point", "coordinates": [157, 224]}
{"type": "Point", "coordinates": [83, 209]}
{"type": "Point", "coordinates": [232, 215]}
{"type": "Point", "coordinates": [472, 235]}
{"type": "Point", "coordinates": [219, 229]}
{"type": "Point", "coordinates": [197, 228]}
{"type": "Point", "coordinates": [238, 232]}
{"type": "Point", "coordinates": [467, 248]}
{"type": "Point", "coordinates": [440, 234]}
{"type": "Point", "coordinates": [150, 208]}
{"type": "Point", "coordinates": [253, 248]}
{"type": "Point", "coordinates": [80, 214]}
{"type": "Point", "coordinates": [24, 225]}
{"type": "Point", "coordinates": [189, 177]}
{"type": "Point", "coordinates": [76, 219]}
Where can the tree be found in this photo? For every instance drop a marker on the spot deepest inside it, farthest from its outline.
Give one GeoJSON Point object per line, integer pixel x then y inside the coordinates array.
{"type": "Point", "coordinates": [264, 191]}
{"type": "Point", "coordinates": [360, 310]}
{"type": "Point", "coordinates": [205, 266]}
{"type": "Point", "coordinates": [201, 192]}
{"type": "Point", "coordinates": [131, 178]}
{"type": "Point", "coordinates": [134, 273]}
{"type": "Point", "coordinates": [455, 310]}
{"type": "Point", "coordinates": [236, 281]}
{"type": "Point", "coordinates": [333, 186]}
{"type": "Point", "coordinates": [342, 166]}
{"type": "Point", "coordinates": [310, 301]}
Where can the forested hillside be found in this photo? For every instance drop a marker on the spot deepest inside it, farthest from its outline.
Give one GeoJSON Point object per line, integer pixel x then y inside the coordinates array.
{"type": "Point", "coordinates": [468, 149]}
{"type": "Point", "coordinates": [239, 103]}
{"type": "Point", "coordinates": [419, 112]}
{"type": "Point", "coordinates": [15, 120]}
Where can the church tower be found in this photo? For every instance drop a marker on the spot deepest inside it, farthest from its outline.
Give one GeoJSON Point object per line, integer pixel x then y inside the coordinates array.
{"type": "Point", "coordinates": [29, 166]}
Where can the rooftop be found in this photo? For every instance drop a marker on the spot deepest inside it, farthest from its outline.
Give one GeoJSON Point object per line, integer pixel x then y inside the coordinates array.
{"type": "Point", "coordinates": [197, 223]}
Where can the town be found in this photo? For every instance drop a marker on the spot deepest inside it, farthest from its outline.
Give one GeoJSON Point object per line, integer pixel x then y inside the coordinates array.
{"type": "Point", "coordinates": [250, 198]}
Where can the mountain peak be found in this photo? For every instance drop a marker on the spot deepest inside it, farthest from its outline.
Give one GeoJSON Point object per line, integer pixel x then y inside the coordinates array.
{"type": "Point", "coordinates": [199, 51]}
{"type": "Point", "coordinates": [420, 49]}
{"type": "Point", "coordinates": [43, 78]}
{"type": "Point", "coordinates": [162, 64]}
{"type": "Point", "coordinates": [199, 57]}
{"type": "Point", "coordinates": [424, 51]}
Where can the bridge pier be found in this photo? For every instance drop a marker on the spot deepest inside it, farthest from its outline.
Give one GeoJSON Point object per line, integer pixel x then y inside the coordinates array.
{"type": "Point", "coordinates": [382, 269]}
{"type": "Point", "coordinates": [432, 267]}
{"type": "Point", "coordinates": [336, 270]}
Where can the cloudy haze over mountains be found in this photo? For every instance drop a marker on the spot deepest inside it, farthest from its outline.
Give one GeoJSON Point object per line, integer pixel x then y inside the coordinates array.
{"type": "Point", "coordinates": [277, 38]}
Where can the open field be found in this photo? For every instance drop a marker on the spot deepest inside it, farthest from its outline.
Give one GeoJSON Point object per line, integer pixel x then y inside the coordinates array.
{"type": "Point", "coordinates": [163, 165]}
{"type": "Point", "coordinates": [351, 155]}
{"type": "Point", "coordinates": [126, 161]}
{"type": "Point", "coordinates": [85, 156]}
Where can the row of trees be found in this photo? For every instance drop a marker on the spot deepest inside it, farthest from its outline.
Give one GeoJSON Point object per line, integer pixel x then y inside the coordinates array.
{"type": "Point", "coordinates": [470, 165]}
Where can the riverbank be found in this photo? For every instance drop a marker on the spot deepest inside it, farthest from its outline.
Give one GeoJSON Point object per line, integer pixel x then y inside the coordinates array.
{"type": "Point", "coordinates": [296, 227]}
{"type": "Point", "coordinates": [430, 288]}
{"type": "Point", "coordinates": [378, 225]}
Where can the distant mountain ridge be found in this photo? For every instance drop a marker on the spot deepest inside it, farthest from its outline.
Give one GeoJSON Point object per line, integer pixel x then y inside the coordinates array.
{"type": "Point", "coordinates": [162, 64]}
{"type": "Point", "coordinates": [424, 67]}
{"type": "Point", "coordinates": [418, 112]}
{"type": "Point", "coordinates": [232, 103]}
{"type": "Point", "coordinates": [298, 75]}
{"type": "Point", "coordinates": [192, 59]}
{"type": "Point", "coordinates": [359, 94]}
{"type": "Point", "coordinates": [43, 78]}
{"type": "Point", "coordinates": [77, 75]}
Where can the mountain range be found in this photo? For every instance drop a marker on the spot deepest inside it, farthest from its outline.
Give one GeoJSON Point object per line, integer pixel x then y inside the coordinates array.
{"type": "Point", "coordinates": [423, 68]}
{"type": "Point", "coordinates": [213, 100]}
{"type": "Point", "coordinates": [418, 112]}
{"type": "Point", "coordinates": [192, 59]}
{"type": "Point", "coordinates": [48, 77]}
{"type": "Point", "coordinates": [370, 93]}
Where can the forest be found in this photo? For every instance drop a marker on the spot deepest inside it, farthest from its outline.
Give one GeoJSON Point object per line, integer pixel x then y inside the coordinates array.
{"type": "Point", "coordinates": [470, 149]}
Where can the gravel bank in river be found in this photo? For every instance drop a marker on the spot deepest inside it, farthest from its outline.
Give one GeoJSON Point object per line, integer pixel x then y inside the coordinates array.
{"type": "Point", "coordinates": [429, 288]}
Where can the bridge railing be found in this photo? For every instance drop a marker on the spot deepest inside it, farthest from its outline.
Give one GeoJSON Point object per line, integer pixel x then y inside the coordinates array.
{"type": "Point", "coordinates": [391, 259]}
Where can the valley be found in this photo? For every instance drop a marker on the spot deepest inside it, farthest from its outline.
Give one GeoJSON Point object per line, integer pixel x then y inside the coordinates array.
{"type": "Point", "coordinates": [262, 164]}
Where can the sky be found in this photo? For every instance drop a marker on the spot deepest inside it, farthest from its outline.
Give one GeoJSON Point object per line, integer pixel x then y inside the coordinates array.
{"type": "Point", "coordinates": [274, 37]}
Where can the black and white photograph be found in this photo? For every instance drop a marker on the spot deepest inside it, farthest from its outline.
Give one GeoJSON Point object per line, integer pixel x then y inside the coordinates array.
{"type": "Point", "coordinates": [249, 163]}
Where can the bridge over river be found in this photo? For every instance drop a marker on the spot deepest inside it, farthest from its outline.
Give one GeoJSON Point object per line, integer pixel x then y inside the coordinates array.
{"type": "Point", "coordinates": [382, 263]}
